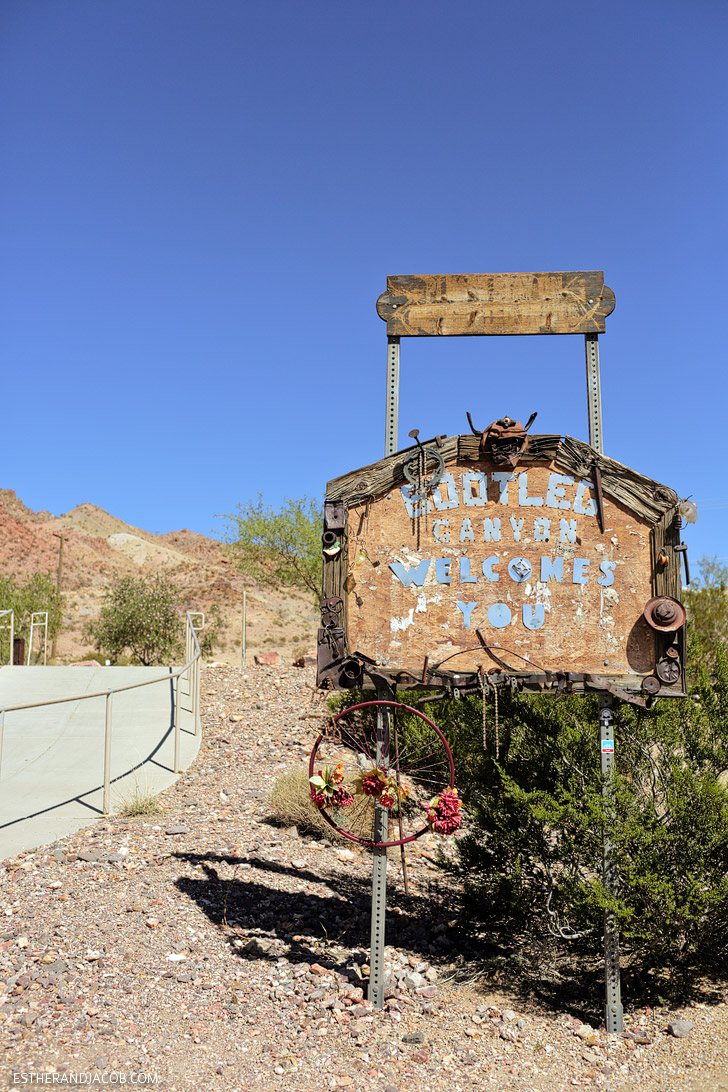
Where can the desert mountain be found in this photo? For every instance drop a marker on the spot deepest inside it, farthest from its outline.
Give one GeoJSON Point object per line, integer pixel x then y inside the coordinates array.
{"type": "Point", "coordinates": [98, 546]}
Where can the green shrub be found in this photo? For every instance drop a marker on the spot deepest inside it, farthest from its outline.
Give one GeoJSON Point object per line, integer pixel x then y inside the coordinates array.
{"type": "Point", "coordinates": [37, 592]}
{"type": "Point", "coordinates": [140, 615]}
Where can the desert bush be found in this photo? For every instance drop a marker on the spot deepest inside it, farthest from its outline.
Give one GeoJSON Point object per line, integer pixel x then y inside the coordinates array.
{"type": "Point", "coordinates": [291, 804]}
{"type": "Point", "coordinates": [531, 860]}
{"type": "Point", "coordinates": [140, 615]}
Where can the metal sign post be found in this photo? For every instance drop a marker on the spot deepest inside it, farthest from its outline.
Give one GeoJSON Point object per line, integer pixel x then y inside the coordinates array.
{"type": "Point", "coordinates": [613, 1013]}
{"type": "Point", "coordinates": [379, 871]}
{"type": "Point", "coordinates": [447, 552]}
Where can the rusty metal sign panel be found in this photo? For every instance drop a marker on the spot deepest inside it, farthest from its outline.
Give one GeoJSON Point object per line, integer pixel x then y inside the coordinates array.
{"type": "Point", "coordinates": [540, 560]}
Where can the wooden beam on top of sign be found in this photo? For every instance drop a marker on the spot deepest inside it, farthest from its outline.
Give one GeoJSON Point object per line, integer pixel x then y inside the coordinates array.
{"type": "Point", "coordinates": [648, 498]}
{"type": "Point", "coordinates": [458, 305]}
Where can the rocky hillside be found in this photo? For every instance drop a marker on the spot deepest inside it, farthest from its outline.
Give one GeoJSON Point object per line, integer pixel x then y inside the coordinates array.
{"type": "Point", "coordinates": [99, 546]}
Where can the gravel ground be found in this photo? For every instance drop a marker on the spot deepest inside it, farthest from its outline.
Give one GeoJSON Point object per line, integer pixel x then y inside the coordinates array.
{"type": "Point", "coordinates": [205, 947]}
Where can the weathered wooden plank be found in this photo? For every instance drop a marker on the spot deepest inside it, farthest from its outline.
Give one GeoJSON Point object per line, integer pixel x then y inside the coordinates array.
{"type": "Point", "coordinates": [649, 498]}
{"type": "Point", "coordinates": [371, 480]}
{"type": "Point", "coordinates": [539, 447]}
{"type": "Point", "coordinates": [522, 561]}
{"type": "Point", "coordinates": [496, 303]}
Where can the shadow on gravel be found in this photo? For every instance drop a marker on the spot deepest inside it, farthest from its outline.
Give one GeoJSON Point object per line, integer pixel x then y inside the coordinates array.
{"type": "Point", "coordinates": [270, 918]}
{"type": "Point", "coordinates": [264, 922]}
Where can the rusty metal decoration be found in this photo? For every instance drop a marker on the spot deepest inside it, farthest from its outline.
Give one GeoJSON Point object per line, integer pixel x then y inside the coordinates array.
{"type": "Point", "coordinates": [665, 614]}
{"type": "Point", "coordinates": [504, 439]}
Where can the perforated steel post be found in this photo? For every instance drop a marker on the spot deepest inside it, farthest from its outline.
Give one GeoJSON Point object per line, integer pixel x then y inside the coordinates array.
{"type": "Point", "coordinates": [613, 1012]}
{"type": "Point", "coordinates": [594, 392]}
{"type": "Point", "coordinates": [379, 872]}
{"type": "Point", "coordinates": [391, 431]}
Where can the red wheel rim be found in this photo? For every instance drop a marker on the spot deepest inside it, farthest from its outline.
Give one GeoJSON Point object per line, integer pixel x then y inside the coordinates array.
{"type": "Point", "coordinates": [448, 767]}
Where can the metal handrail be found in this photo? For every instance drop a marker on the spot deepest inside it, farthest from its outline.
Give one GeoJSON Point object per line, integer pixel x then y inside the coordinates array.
{"type": "Point", "coordinates": [192, 666]}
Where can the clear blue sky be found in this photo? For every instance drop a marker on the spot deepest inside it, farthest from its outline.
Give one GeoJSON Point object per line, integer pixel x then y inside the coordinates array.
{"type": "Point", "coordinates": [201, 200]}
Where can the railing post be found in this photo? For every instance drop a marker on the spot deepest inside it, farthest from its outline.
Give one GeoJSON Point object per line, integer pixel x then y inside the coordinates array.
{"type": "Point", "coordinates": [176, 725]}
{"type": "Point", "coordinates": [107, 753]}
{"type": "Point", "coordinates": [197, 696]}
{"type": "Point", "coordinates": [2, 732]}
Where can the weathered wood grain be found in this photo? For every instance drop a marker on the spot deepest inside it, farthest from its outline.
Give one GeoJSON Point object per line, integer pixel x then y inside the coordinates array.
{"type": "Point", "coordinates": [376, 478]}
{"type": "Point", "coordinates": [460, 305]}
{"type": "Point", "coordinates": [648, 498]}
{"type": "Point", "coordinates": [592, 623]}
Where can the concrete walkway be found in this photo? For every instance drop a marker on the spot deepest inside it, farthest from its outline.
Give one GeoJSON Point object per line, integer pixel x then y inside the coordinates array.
{"type": "Point", "coordinates": [52, 771]}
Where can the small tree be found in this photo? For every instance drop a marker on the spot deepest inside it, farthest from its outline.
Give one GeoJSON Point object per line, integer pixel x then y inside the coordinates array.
{"type": "Point", "coordinates": [706, 600]}
{"type": "Point", "coordinates": [282, 547]}
{"type": "Point", "coordinates": [142, 616]}
{"type": "Point", "coordinates": [37, 592]}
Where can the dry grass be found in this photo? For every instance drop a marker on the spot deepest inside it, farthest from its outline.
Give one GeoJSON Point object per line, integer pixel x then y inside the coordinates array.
{"type": "Point", "coordinates": [291, 803]}
{"type": "Point", "coordinates": [139, 803]}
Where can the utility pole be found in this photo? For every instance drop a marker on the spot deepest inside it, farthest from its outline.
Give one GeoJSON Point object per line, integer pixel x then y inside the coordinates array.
{"type": "Point", "coordinates": [59, 575]}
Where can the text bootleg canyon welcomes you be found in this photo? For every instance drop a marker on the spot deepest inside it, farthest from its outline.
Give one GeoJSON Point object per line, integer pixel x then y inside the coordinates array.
{"type": "Point", "coordinates": [516, 553]}
{"type": "Point", "coordinates": [508, 487]}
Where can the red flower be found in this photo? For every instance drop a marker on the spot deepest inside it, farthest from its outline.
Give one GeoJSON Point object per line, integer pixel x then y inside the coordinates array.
{"type": "Point", "coordinates": [342, 798]}
{"type": "Point", "coordinates": [318, 798]}
{"type": "Point", "coordinates": [372, 784]}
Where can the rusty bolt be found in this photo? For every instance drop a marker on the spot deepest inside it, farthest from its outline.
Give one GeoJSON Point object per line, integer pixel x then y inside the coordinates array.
{"type": "Point", "coordinates": [664, 612]}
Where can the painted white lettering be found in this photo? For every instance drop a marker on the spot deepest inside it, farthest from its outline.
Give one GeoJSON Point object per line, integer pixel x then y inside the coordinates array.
{"type": "Point", "coordinates": [491, 530]}
{"type": "Point", "coordinates": [541, 529]}
{"type": "Point", "coordinates": [442, 570]}
{"type": "Point", "coordinates": [581, 576]}
{"type": "Point", "coordinates": [534, 615]}
{"type": "Point", "coordinates": [436, 525]}
{"type": "Point", "coordinates": [499, 615]}
{"type": "Point", "coordinates": [503, 477]}
{"type": "Point", "coordinates": [552, 569]}
{"type": "Point", "coordinates": [451, 501]}
{"type": "Point", "coordinates": [590, 508]}
{"type": "Point", "coordinates": [467, 534]}
{"type": "Point", "coordinates": [555, 491]}
{"type": "Point", "coordinates": [523, 498]}
{"type": "Point", "coordinates": [414, 575]}
{"type": "Point", "coordinates": [489, 568]}
{"type": "Point", "coordinates": [567, 530]}
{"type": "Point", "coordinates": [478, 499]}
{"type": "Point", "coordinates": [466, 577]}
{"type": "Point", "coordinates": [517, 526]}
{"type": "Point", "coordinates": [467, 609]}
{"type": "Point", "coordinates": [607, 567]}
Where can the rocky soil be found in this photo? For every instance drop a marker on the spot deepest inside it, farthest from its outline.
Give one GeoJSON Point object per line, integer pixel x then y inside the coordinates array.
{"type": "Point", "coordinates": [204, 947]}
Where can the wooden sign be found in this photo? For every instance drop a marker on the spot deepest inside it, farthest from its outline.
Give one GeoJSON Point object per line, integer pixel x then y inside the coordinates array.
{"type": "Point", "coordinates": [496, 303]}
{"type": "Point", "coordinates": [542, 569]}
